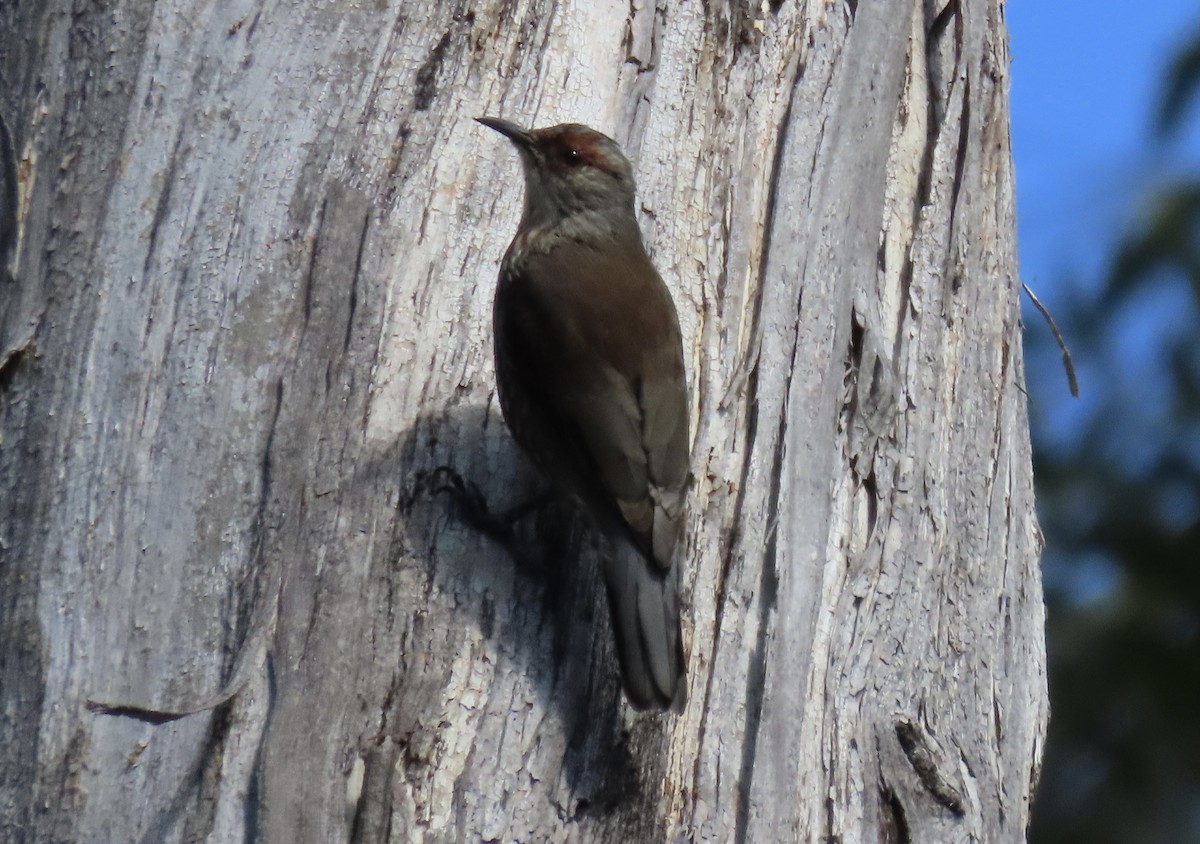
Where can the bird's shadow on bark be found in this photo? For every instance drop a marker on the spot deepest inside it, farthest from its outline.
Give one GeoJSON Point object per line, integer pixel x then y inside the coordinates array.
{"type": "Point", "coordinates": [459, 474]}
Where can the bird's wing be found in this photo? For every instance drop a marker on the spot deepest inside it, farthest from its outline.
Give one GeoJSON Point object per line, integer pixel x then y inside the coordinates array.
{"type": "Point", "coordinates": [594, 350]}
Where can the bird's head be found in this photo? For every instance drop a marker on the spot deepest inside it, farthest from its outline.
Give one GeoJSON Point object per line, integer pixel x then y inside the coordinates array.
{"type": "Point", "coordinates": [570, 169]}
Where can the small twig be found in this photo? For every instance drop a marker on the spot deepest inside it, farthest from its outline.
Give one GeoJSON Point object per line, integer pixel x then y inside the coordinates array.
{"type": "Point", "coordinates": [1068, 365]}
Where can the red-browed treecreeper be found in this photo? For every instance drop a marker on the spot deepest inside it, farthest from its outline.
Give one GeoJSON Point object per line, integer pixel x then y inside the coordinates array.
{"type": "Point", "coordinates": [589, 370]}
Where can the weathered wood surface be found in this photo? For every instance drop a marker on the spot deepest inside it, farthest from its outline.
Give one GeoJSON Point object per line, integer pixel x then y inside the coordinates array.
{"type": "Point", "coordinates": [250, 315]}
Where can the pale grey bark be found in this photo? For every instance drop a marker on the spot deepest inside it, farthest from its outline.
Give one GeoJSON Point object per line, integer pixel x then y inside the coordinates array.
{"type": "Point", "coordinates": [250, 316]}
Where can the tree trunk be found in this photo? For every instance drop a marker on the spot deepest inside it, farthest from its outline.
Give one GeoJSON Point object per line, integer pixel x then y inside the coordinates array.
{"type": "Point", "coordinates": [249, 320]}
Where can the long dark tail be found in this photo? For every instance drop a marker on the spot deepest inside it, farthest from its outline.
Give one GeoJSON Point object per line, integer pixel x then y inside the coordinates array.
{"type": "Point", "coordinates": [644, 602]}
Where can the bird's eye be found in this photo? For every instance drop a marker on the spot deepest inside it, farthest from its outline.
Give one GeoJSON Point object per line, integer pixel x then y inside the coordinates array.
{"type": "Point", "coordinates": [572, 156]}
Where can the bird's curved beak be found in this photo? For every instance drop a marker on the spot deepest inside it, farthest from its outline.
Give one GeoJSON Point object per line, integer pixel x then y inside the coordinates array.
{"type": "Point", "coordinates": [512, 131]}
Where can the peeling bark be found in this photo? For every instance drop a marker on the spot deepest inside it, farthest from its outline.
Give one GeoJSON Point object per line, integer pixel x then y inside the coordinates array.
{"type": "Point", "coordinates": [252, 250]}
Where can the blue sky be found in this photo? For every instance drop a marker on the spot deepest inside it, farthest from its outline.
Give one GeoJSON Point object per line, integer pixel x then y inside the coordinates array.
{"type": "Point", "coordinates": [1086, 80]}
{"type": "Point", "coordinates": [1087, 77]}
{"type": "Point", "coordinates": [1086, 85]}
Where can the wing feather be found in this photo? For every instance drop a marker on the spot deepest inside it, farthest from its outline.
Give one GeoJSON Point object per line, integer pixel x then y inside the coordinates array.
{"type": "Point", "coordinates": [596, 365]}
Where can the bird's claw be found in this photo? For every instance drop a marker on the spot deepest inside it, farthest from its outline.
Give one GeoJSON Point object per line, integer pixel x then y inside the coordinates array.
{"type": "Point", "coordinates": [471, 503]}
{"type": "Point", "coordinates": [500, 527]}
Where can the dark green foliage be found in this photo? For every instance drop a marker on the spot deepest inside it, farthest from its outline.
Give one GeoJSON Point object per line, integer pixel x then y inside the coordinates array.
{"type": "Point", "coordinates": [1182, 86]}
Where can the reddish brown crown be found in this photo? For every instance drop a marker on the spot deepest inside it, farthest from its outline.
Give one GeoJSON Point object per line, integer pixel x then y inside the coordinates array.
{"type": "Point", "coordinates": [575, 145]}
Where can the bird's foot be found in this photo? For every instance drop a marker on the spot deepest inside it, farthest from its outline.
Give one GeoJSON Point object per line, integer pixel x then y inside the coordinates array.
{"type": "Point", "coordinates": [501, 527]}
{"type": "Point", "coordinates": [472, 504]}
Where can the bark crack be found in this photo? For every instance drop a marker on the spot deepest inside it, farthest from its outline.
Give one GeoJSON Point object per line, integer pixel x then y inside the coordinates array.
{"type": "Point", "coordinates": [355, 277]}
{"type": "Point", "coordinates": [10, 362]}
{"type": "Point", "coordinates": [960, 154]}
{"type": "Point", "coordinates": [756, 675]}
{"type": "Point", "coordinates": [310, 276]}
{"type": "Point", "coordinates": [425, 81]}
{"type": "Point", "coordinates": [893, 821]}
{"type": "Point", "coordinates": [10, 192]}
{"type": "Point", "coordinates": [921, 755]}
{"type": "Point", "coordinates": [749, 361]}
{"type": "Point", "coordinates": [163, 205]}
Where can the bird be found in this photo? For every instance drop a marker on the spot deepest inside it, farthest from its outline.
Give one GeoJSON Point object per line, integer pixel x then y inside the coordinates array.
{"type": "Point", "coordinates": [591, 382]}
